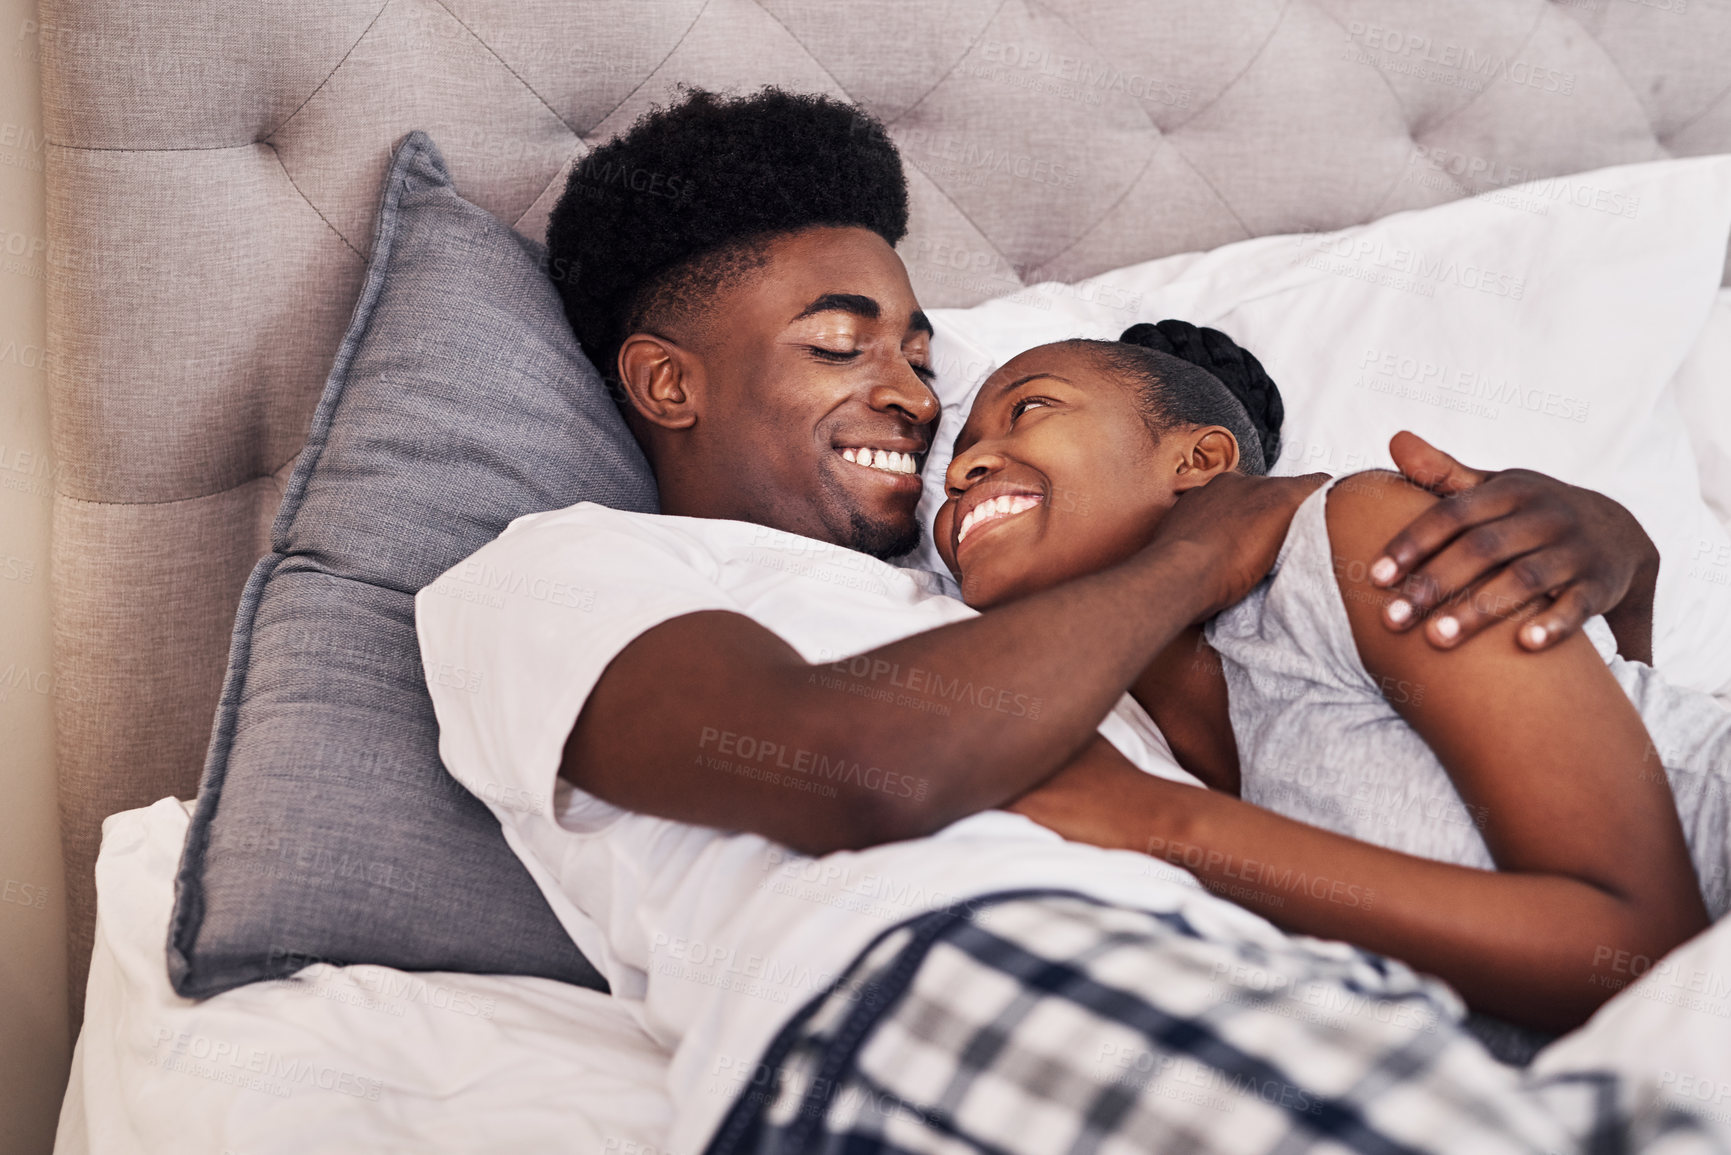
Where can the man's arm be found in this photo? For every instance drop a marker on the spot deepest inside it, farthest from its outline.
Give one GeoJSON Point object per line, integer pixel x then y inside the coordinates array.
{"type": "Point", "coordinates": [1514, 538]}
{"type": "Point", "coordinates": [712, 719]}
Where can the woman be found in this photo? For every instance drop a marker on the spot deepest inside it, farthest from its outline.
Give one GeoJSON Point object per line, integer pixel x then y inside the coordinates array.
{"type": "Point", "coordinates": [1496, 817]}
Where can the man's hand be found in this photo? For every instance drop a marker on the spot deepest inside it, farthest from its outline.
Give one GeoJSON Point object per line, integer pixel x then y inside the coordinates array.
{"type": "Point", "coordinates": [1238, 522]}
{"type": "Point", "coordinates": [1513, 543]}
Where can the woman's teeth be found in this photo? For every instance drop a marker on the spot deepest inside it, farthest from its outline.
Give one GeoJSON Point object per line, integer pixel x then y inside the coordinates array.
{"type": "Point", "coordinates": [887, 460]}
{"type": "Point", "coordinates": [994, 508]}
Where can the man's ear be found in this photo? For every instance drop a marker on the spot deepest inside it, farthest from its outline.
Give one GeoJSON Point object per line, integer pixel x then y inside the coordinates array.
{"type": "Point", "coordinates": [661, 379]}
{"type": "Point", "coordinates": [1208, 452]}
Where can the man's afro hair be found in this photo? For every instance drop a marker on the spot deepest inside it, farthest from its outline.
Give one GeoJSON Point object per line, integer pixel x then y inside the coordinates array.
{"type": "Point", "coordinates": [681, 200]}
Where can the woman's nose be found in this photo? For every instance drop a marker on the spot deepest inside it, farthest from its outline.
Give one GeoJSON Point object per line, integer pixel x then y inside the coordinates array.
{"type": "Point", "coordinates": [968, 469]}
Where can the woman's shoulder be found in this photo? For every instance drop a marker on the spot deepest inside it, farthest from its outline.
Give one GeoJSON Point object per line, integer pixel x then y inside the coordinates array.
{"type": "Point", "coordinates": [1297, 621]}
{"type": "Point", "coordinates": [1366, 509]}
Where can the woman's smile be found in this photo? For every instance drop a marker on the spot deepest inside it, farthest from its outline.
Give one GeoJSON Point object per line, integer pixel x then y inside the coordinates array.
{"type": "Point", "coordinates": [987, 509]}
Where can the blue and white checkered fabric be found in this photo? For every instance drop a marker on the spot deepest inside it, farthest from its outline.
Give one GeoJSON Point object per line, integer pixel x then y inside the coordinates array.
{"type": "Point", "coordinates": [1048, 1022]}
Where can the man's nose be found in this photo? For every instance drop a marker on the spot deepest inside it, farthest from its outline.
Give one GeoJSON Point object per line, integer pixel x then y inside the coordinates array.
{"type": "Point", "coordinates": [906, 393]}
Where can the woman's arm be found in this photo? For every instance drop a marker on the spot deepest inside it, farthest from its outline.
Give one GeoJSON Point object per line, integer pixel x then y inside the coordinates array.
{"type": "Point", "coordinates": [1546, 746]}
{"type": "Point", "coordinates": [1531, 948]}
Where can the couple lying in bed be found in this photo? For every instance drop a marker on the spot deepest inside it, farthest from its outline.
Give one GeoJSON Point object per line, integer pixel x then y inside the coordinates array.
{"type": "Point", "coordinates": [770, 357]}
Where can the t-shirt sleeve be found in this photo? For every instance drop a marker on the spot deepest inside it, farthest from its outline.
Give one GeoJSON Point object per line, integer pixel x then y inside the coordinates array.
{"type": "Point", "coordinates": [514, 637]}
{"type": "Point", "coordinates": [1292, 631]}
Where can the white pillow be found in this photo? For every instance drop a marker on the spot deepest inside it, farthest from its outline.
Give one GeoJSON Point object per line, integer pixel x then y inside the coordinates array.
{"type": "Point", "coordinates": [1704, 395]}
{"type": "Point", "coordinates": [1540, 327]}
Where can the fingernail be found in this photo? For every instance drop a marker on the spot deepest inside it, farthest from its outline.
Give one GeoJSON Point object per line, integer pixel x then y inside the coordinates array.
{"type": "Point", "coordinates": [1383, 571]}
{"type": "Point", "coordinates": [1447, 628]}
{"type": "Point", "coordinates": [1399, 610]}
{"type": "Point", "coordinates": [1536, 634]}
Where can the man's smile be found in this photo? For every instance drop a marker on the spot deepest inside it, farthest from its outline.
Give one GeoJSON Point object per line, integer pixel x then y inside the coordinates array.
{"type": "Point", "coordinates": [887, 460]}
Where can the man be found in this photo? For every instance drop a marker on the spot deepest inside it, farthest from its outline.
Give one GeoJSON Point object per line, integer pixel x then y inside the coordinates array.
{"type": "Point", "coordinates": [769, 355]}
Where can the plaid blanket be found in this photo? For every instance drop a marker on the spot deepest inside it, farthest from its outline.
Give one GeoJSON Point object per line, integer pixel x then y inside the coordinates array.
{"type": "Point", "coordinates": [1045, 1022]}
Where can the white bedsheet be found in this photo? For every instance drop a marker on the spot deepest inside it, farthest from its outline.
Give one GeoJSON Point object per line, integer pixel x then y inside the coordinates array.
{"type": "Point", "coordinates": [372, 1059]}
{"type": "Point", "coordinates": [338, 1060]}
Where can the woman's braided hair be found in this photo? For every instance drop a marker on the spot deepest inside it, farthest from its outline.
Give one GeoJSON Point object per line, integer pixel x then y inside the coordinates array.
{"type": "Point", "coordinates": [1188, 375]}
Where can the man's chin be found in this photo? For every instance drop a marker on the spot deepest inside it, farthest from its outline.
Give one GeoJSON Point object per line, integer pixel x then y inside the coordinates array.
{"type": "Point", "coordinates": [884, 538]}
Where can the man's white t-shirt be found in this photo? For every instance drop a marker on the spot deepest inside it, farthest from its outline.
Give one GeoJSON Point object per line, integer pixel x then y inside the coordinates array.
{"type": "Point", "coordinates": [716, 937]}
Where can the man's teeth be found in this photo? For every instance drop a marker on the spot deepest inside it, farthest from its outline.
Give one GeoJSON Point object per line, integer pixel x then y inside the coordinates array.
{"type": "Point", "coordinates": [887, 460]}
{"type": "Point", "coordinates": [1001, 506]}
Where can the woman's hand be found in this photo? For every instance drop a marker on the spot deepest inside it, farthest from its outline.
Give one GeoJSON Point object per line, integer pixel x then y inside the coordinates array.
{"type": "Point", "coordinates": [1516, 543]}
{"type": "Point", "coordinates": [1239, 523]}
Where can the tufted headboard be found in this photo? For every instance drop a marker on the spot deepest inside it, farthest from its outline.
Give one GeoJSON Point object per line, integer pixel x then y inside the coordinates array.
{"type": "Point", "coordinates": [213, 166]}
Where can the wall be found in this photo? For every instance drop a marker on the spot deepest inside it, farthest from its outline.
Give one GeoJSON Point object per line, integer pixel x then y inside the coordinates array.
{"type": "Point", "coordinates": [34, 1048]}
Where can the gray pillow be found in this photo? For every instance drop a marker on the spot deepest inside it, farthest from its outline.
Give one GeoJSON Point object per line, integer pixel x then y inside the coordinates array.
{"type": "Point", "coordinates": [327, 828]}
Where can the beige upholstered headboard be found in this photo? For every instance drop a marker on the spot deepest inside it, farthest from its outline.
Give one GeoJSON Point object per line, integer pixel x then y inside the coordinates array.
{"type": "Point", "coordinates": [213, 166]}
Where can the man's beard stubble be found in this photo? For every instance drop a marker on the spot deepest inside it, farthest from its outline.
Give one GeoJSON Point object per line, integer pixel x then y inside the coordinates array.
{"type": "Point", "coordinates": [882, 541]}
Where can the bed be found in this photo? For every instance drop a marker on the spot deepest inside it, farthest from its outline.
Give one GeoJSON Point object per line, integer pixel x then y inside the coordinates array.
{"type": "Point", "coordinates": [368, 1058]}
{"type": "Point", "coordinates": [212, 172]}
{"type": "Point", "coordinates": [472, 1062]}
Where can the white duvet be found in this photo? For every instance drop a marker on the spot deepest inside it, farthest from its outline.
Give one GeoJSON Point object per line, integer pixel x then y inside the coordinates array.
{"type": "Point", "coordinates": [337, 1060]}
{"type": "Point", "coordinates": [371, 1059]}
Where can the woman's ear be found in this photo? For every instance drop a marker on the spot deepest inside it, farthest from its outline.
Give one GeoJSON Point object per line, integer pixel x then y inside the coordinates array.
{"type": "Point", "coordinates": [1208, 452]}
{"type": "Point", "coordinates": [661, 379]}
